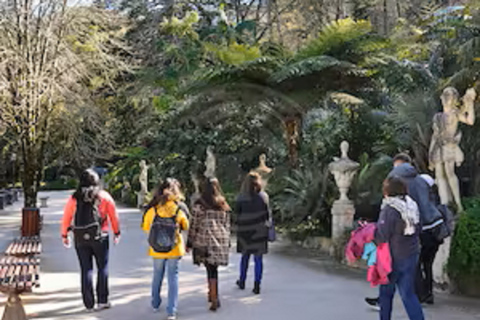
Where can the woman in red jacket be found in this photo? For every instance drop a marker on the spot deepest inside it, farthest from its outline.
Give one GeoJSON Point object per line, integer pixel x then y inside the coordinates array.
{"type": "Point", "coordinates": [91, 209]}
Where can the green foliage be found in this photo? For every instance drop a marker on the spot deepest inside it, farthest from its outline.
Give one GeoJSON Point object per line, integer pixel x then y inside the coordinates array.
{"type": "Point", "coordinates": [346, 40]}
{"type": "Point", "coordinates": [465, 252]}
{"type": "Point", "coordinates": [368, 184]}
{"type": "Point", "coordinates": [181, 27]}
{"type": "Point", "coordinates": [234, 53]}
{"type": "Point", "coordinates": [307, 194]}
{"type": "Point", "coordinates": [307, 229]}
{"type": "Point", "coordinates": [62, 184]}
{"type": "Point", "coordinates": [310, 66]}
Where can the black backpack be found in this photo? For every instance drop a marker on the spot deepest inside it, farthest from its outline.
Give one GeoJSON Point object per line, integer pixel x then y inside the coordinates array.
{"type": "Point", "coordinates": [163, 233]}
{"type": "Point", "coordinates": [445, 229]}
{"type": "Point", "coordinates": [87, 225]}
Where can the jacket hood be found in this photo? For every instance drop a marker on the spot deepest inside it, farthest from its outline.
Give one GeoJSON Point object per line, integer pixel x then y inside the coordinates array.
{"type": "Point", "coordinates": [405, 171]}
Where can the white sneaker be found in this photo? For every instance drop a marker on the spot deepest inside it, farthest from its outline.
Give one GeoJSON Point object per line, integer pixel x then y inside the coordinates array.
{"type": "Point", "coordinates": [172, 317]}
{"type": "Point", "coordinates": [103, 306]}
{"type": "Point", "coordinates": [89, 310]}
{"type": "Point", "coordinates": [156, 310]}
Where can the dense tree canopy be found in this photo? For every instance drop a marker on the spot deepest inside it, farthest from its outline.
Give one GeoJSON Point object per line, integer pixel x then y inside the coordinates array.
{"type": "Point", "coordinates": [162, 80]}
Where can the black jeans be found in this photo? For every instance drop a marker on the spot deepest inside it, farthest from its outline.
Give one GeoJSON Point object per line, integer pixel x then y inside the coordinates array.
{"type": "Point", "coordinates": [212, 271]}
{"type": "Point", "coordinates": [86, 253]}
{"type": "Point", "coordinates": [424, 279]}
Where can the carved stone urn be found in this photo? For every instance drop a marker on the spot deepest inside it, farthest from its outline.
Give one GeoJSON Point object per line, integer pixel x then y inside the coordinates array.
{"type": "Point", "coordinates": [343, 210]}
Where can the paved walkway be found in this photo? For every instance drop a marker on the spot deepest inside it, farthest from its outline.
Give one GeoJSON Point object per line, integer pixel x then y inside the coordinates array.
{"type": "Point", "coordinates": [294, 287]}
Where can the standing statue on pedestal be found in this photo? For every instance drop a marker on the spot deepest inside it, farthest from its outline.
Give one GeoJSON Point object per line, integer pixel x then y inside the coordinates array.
{"type": "Point", "coordinates": [343, 210]}
{"type": "Point", "coordinates": [196, 180]}
{"type": "Point", "coordinates": [143, 178]}
{"type": "Point", "coordinates": [263, 170]}
{"type": "Point", "coordinates": [125, 190]}
{"type": "Point", "coordinates": [210, 163]}
{"type": "Point", "coordinates": [445, 153]}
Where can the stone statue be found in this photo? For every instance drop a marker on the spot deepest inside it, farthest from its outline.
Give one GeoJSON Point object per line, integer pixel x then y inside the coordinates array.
{"type": "Point", "coordinates": [196, 194]}
{"type": "Point", "coordinates": [343, 210]}
{"type": "Point", "coordinates": [445, 153]}
{"type": "Point", "coordinates": [143, 178]}
{"type": "Point", "coordinates": [126, 189]}
{"type": "Point", "coordinates": [210, 163]}
{"type": "Point", "coordinates": [263, 170]}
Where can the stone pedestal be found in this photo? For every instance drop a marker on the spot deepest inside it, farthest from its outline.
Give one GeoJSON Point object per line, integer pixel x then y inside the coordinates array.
{"type": "Point", "coordinates": [440, 275]}
{"type": "Point", "coordinates": [140, 199]}
{"type": "Point", "coordinates": [343, 212]}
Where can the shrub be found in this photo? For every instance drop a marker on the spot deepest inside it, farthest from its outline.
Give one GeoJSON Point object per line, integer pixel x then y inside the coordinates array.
{"type": "Point", "coordinates": [307, 195]}
{"type": "Point", "coordinates": [465, 251]}
{"type": "Point", "coordinates": [307, 229]}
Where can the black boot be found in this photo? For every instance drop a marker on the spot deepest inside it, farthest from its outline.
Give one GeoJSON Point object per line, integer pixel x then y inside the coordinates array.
{"type": "Point", "coordinates": [241, 284]}
{"type": "Point", "coordinates": [256, 288]}
{"type": "Point", "coordinates": [428, 299]}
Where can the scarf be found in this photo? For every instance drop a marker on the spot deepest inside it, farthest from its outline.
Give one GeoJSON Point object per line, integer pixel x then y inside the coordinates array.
{"type": "Point", "coordinates": [408, 209]}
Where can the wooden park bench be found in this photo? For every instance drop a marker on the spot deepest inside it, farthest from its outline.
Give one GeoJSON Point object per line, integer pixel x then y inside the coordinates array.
{"type": "Point", "coordinates": [19, 273]}
{"type": "Point", "coordinates": [17, 276]}
{"type": "Point", "coordinates": [24, 246]}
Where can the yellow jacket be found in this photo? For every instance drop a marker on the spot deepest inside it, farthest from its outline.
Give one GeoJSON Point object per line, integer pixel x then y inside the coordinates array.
{"type": "Point", "coordinates": [167, 210]}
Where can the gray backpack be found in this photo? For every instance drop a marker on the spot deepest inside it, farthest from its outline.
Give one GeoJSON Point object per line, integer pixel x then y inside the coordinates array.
{"type": "Point", "coordinates": [163, 233]}
{"type": "Point", "coordinates": [445, 229]}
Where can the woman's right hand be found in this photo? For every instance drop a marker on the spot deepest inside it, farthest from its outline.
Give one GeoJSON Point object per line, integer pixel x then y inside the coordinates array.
{"type": "Point", "coordinates": [66, 242]}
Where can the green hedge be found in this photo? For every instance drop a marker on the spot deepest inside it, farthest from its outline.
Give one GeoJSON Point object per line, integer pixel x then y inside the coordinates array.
{"type": "Point", "coordinates": [464, 262]}
{"type": "Point", "coordinates": [58, 185]}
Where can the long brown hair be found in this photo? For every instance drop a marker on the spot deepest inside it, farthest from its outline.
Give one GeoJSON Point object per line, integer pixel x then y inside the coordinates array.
{"type": "Point", "coordinates": [252, 184]}
{"type": "Point", "coordinates": [160, 197]}
{"type": "Point", "coordinates": [212, 195]}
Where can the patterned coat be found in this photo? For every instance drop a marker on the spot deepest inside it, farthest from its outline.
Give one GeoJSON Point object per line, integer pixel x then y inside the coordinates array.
{"type": "Point", "coordinates": [209, 236]}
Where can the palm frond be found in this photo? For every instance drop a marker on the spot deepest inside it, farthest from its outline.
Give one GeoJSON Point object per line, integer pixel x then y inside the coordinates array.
{"type": "Point", "coordinates": [334, 37]}
{"type": "Point", "coordinates": [256, 71]}
{"type": "Point", "coordinates": [311, 66]}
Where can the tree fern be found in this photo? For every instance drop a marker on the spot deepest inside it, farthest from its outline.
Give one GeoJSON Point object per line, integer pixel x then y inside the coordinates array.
{"type": "Point", "coordinates": [310, 66]}
{"type": "Point", "coordinates": [335, 37]}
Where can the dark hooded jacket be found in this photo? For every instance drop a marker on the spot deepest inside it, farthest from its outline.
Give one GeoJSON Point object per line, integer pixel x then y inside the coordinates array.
{"type": "Point", "coordinates": [419, 191]}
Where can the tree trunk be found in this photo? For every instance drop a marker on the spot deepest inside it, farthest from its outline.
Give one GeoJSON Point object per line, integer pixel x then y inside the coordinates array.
{"type": "Point", "coordinates": [385, 17]}
{"type": "Point", "coordinates": [292, 125]}
{"type": "Point", "coordinates": [269, 18]}
{"type": "Point", "coordinates": [339, 14]}
{"type": "Point", "coordinates": [31, 171]}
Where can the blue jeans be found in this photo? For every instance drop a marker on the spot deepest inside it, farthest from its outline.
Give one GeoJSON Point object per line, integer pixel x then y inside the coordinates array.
{"type": "Point", "coordinates": [159, 266]}
{"type": "Point", "coordinates": [403, 277]}
{"type": "Point", "coordinates": [258, 267]}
